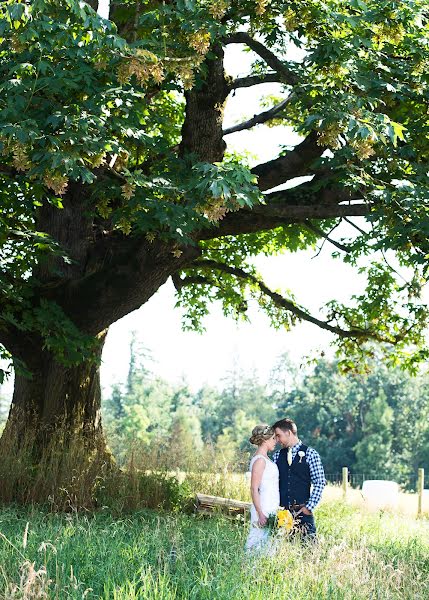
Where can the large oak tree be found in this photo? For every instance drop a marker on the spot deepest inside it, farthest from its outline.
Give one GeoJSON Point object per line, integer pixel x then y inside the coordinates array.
{"type": "Point", "coordinates": [116, 176]}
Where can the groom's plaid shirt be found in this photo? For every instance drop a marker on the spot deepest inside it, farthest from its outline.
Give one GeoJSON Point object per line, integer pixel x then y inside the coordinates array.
{"type": "Point", "coordinates": [317, 473]}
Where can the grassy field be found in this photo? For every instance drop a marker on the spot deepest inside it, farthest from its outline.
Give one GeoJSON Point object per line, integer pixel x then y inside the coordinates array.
{"type": "Point", "coordinates": [158, 556]}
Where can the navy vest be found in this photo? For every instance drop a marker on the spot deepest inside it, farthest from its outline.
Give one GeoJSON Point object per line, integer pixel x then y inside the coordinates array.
{"type": "Point", "coordinates": [295, 480]}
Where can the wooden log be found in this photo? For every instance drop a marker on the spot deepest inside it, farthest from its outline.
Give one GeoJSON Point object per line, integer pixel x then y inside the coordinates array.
{"type": "Point", "coordinates": [205, 503]}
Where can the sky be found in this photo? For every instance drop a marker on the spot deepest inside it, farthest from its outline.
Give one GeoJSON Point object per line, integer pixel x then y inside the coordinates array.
{"type": "Point", "coordinates": [254, 346]}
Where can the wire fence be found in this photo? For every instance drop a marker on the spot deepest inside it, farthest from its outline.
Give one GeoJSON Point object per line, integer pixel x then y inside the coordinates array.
{"type": "Point", "coordinates": [356, 480]}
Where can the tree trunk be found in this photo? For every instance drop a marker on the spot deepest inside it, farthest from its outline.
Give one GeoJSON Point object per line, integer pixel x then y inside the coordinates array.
{"type": "Point", "coordinates": [53, 444]}
{"type": "Point", "coordinates": [202, 128]}
{"type": "Point", "coordinates": [58, 397]}
{"type": "Point", "coordinates": [54, 425]}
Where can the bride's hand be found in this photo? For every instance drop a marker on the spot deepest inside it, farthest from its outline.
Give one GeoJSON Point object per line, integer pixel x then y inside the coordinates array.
{"type": "Point", "coordinates": [262, 521]}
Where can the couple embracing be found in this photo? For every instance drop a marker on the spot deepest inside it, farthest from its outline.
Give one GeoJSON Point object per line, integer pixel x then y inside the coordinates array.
{"type": "Point", "coordinates": [293, 479]}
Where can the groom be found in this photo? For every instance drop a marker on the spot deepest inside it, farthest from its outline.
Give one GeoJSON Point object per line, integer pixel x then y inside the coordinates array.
{"type": "Point", "coordinates": [302, 477]}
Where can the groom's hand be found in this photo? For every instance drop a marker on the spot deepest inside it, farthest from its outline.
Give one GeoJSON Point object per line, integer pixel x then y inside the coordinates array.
{"type": "Point", "coordinates": [305, 511]}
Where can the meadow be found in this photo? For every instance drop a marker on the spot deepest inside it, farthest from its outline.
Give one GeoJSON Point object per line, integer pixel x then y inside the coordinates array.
{"type": "Point", "coordinates": [160, 555]}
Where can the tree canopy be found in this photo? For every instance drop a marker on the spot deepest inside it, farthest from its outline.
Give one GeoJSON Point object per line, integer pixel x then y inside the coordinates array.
{"type": "Point", "coordinates": [115, 173]}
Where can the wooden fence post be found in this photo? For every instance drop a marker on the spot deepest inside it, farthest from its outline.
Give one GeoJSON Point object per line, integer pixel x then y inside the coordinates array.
{"type": "Point", "coordinates": [420, 488]}
{"type": "Point", "coordinates": [345, 481]}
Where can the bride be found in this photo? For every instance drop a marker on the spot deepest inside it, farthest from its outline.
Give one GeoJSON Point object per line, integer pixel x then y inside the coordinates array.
{"type": "Point", "coordinates": [264, 486]}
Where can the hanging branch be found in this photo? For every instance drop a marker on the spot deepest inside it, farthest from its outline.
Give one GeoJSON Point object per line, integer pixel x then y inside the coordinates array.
{"type": "Point", "coordinates": [260, 118]}
{"type": "Point", "coordinates": [281, 302]}
{"type": "Point", "coordinates": [326, 237]}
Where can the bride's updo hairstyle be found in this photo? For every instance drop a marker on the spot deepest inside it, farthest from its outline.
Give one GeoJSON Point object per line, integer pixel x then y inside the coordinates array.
{"type": "Point", "coordinates": [260, 433]}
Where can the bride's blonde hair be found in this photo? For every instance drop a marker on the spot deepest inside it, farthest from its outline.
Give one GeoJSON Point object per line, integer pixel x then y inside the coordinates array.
{"type": "Point", "coordinates": [260, 433]}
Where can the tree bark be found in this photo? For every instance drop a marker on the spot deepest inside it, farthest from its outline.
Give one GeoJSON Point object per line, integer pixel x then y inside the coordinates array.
{"type": "Point", "coordinates": [105, 277]}
{"type": "Point", "coordinates": [53, 449]}
{"type": "Point", "coordinates": [54, 423]}
{"type": "Point", "coordinates": [56, 400]}
{"type": "Point", "coordinates": [55, 414]}
{"type": "Point", "coordinates": [202, 128]}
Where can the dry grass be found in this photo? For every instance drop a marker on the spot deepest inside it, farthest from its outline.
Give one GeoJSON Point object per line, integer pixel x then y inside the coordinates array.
{"type": "Point", "coordinates": [236, 486]}
{"type": "Point", "coordinates": [71, 477]}
{"type": "Point", "coordinates": [67, 475]}
{"type": "Point", "coordinates": [407, 504]}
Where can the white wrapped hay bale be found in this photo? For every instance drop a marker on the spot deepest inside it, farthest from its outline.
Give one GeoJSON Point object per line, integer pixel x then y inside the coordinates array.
{"type": "Point", "coordinates": [380, 494]}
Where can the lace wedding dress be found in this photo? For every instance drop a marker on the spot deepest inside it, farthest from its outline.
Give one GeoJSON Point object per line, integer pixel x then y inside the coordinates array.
{"type": "Point", "coordinates": [270, 500]}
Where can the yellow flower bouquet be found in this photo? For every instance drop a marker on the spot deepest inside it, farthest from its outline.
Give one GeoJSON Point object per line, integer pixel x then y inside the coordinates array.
{"type": "Point", "coordinates": [281, 522]}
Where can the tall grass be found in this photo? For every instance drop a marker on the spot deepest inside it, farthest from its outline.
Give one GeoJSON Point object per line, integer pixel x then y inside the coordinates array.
{"type": "Point", "coordinates": [149, 555]}
{"type": "Point", "coordinates": [66, 475]}
{"type": "Point", "coordinates": [70, 476]}
{"type": "Point", "coordinates": [116, 546]}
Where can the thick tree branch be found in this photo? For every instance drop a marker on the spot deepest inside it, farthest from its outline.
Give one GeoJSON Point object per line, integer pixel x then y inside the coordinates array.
{"type": "Point", "coordinates": [251, 80]}
{"type": "Point", "coordinates": [263, 218]}
{"type": "Point", "coordinates": [262, 117]}
{"type": "Point", "coordinates": [132, 272]}
{"type": "Point", "coordinates": [305, 194]}
{"type": "Point", "coordinates": [295, 163]}
{"type": "Point", "coordinates": [269, 57]}
{"type": "Point", "coordinates": [290, 206]}
{"type": "Point", "coordinates": [202, 125]}
{"type": "Point", "coordinates": [287, 207]}
{"type": "Point", "coordinates": [330, 211]}
{"type": "Point", "coordinates": [287, 305]}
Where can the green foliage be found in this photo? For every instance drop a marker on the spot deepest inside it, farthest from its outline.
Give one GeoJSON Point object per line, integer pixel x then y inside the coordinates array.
{"type": "Point", "coordinates": [375, 422]}
{"type": "Point", "coordinates": [377, 433]}
{"type": "Point", "coordinates": [221, 179]}
{"type": "Point", "coordinates": [78, 103]}
{"type": "Point", "coordinates": [152, 415]}
{"type": "Point", "coordinates": [101, 85]}
{"type": "Point", "coordinates": [59, 334]}
{"type": "Point", "coordinates": [399, 316]}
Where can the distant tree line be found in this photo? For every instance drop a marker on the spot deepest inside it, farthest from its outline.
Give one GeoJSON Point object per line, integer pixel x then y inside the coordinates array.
{"type": "Point", "coordinates": [373, 423]}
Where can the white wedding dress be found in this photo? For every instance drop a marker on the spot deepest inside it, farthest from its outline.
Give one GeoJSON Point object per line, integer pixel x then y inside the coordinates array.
{"type": "Point", "coordinates": [270, 500]}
